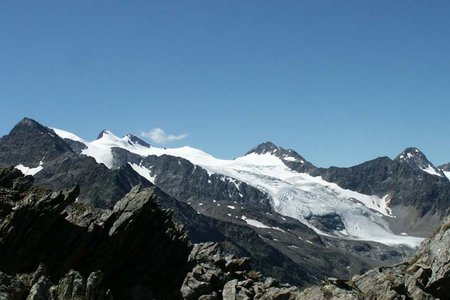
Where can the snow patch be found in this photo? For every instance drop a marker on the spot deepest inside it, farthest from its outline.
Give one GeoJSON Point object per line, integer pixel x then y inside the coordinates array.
{"type": "Point", "coordinates": [68, 135]}
{"type": "Point", "coordinates": [289, 158]}
{"type": "Point", "coordinates": [431, 170]}
{"type": "Point", "coordinates": [254, 223]}
{"type": "Point", "coordinates": [258, 224]}
{"type": "Point", "coordinates": [447, 174]}
{"type": "Point", "coordinates": [144, 172]}
{"type": "Point", "coordinates": [30, 171]}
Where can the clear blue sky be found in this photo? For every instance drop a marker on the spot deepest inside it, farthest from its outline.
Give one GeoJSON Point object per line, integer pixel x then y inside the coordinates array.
{"type": "Point", "coordinates": [341, 82]}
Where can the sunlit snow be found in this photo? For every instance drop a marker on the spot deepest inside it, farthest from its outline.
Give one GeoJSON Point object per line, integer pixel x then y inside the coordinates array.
{"type": "Point", "coordinates": [30, 171]}
{"type": "Point", "coordinates": [431, 170]}
{"type": "Point", "coordinates": [68, 135]}
{"type": "Point", "coordinates": [144, 172]}
{"type": "Point", "coordinates": [254, 223]}
{"type": "Point", "coordinates": [447, 174]}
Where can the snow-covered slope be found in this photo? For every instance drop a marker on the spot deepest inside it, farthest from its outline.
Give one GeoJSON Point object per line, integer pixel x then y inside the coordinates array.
{"type": "Point", "coordinates": [293, 194]}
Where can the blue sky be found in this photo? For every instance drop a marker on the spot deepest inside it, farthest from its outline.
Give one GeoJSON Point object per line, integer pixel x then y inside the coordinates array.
{"type": "Point", "coordinates": [340, 82]}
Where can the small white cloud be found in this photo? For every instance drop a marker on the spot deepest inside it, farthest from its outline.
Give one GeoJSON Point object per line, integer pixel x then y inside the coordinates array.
{"type": "Point", "coordinates": [159, 136]}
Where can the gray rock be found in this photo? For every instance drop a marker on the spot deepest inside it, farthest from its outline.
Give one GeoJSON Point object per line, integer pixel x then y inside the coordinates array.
{"type": "Point", "coordinates": [229, 290]}
{"type": "Point", "coordinates": [12, 288]}
{"type": "Point", "coordinates": [71, 286]}
{"type": "Point", "coordinates": [40, 289]}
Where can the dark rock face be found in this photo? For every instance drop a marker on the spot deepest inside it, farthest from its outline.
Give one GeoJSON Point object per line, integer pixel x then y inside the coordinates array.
{"type": "Point", "coordinates": [327, 223]}
{"type": "Point", "coordinates": [137, 248]}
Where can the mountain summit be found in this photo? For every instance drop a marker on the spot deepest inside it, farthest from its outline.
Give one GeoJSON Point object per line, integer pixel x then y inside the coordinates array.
{"type": "Point", "coordinates": [263, 148]}
{"type": "Point", "coordinates": [417, 160]}
{"type": "Point", "coordinates": [289, 157]}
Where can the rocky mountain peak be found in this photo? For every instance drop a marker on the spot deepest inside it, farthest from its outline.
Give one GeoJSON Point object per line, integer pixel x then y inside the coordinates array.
{"type": "Point", "coordinates": [263, 148]}
{"type": "Point", "coordinates": [27, 124]}
{"type": "Point", "coordinates": [412, 153]}
{"type": "Point", "coordinates": [102, 133]}
{"type": "Point", "coordinates": [36, 142]}
{"type": "Point", "coordinates": [269, 147]}
{"type": "Point", "coordinates": [417, 159]}
{"type": "Point", "coordinates": [289, 157]}
{"type": "Point", "coordinates": [132, 139]}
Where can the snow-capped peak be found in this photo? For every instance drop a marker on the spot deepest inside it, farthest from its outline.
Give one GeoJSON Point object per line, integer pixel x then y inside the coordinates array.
{"type": "Point", "coordinates": [416, 159]}
{"type": "Point", "coordinates": [263, 148]}
{"type": "Point", "coordinates": [105, 134]}
{"type": "Point", "coordinates": [288, 156]}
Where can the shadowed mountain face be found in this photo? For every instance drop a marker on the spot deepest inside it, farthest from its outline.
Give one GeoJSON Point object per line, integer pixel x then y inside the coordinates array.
{"type": "Point", "coordinates": [238, 214]}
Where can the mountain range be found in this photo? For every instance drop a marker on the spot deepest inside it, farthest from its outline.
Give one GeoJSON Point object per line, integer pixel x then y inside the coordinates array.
{"type": "Point", "coordinates": [298, 222]}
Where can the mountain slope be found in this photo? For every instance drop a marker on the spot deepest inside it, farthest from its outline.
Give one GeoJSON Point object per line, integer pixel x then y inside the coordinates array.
{"type": "Point", "coordinates": [270, 204]}
{"type": "Point", "coordinates": [271, 252]}
{"type": "Point", "coordinates": [417, 192]}
{"type": "Point", "coordinates": [266, 169]}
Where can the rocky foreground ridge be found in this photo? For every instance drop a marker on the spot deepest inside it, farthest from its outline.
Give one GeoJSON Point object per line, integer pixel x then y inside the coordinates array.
{"type": "Point", "coordinates": [133, 251]}
{"type": "Point", "coordinates": [55, 248]}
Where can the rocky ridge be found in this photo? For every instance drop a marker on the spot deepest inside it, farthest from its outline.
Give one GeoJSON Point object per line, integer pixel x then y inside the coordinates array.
{"type": "Point", "coordinates": [134, 249]}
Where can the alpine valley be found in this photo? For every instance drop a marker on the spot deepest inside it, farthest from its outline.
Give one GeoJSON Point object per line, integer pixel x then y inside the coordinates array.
{"type": "Point", "coordinates": [298, 223]}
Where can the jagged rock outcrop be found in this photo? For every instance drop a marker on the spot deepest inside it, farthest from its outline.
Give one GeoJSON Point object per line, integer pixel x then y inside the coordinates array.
{"type": "Point", "coordinates": [220, 276]}
{"type": "Point", "coordinates": [133, 250]}
{"type": "Point", "coordinates": [37, 286]}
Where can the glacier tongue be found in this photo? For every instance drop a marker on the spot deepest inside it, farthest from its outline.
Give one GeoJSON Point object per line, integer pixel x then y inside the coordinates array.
{"type": "Point", "coordinates": [298, 195]}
